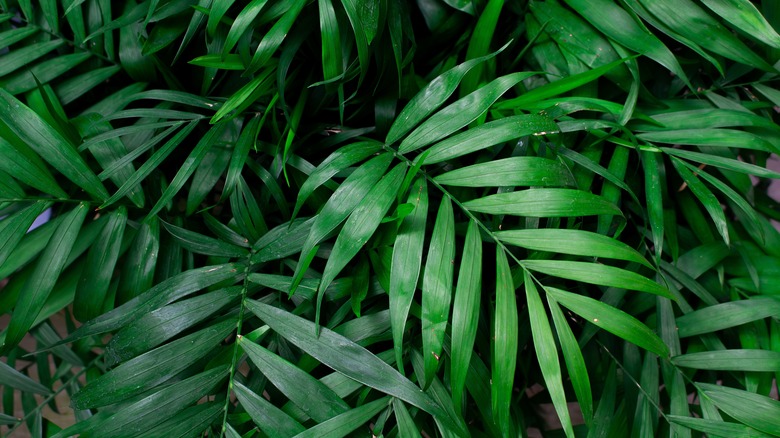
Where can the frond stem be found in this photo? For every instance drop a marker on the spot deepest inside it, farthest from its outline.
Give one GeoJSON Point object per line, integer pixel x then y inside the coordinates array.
{"type": "Point", "coordinates": [234, 360]}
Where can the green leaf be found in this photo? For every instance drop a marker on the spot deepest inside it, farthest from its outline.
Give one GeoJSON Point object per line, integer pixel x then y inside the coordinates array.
{"type": "Point", "coordinates": [93, 286]}
{"type": "Point", "coordinates": [48, 269]}
{"type": "Point", "coordinates": [505, 348]}
{"type": "Point", "coordinates": [730, 360]}
{"type": "Point", "coordinates": [22, 163]}
{"type": "Point", "coordinates": [547, 353]}
{"type": "Point", "coordinates": [654, 190]}
{"type": "Point", "coordinates": [460, 113]}
{"type": "Point", "coordinates": [516, 171]}
{"type": "Point", "coordinates": [716, 427]}
{"type": "Point", "coordinates": [332, 66]}
{"type": "Point", "coordinates": [228, 62]}
{"type": "Point", "coordinates": [441, 395]}
{"type": "Point", "coordinates": [406, 426]}
{"type": "Point", "coordinates": [465, 312]}
{"type": "Point", "coordinates": [558, 87]}
{"type": "Point", "coordinates": [275, 36]}
{"type": "Point", "coordinates": [344, 356]}
{"type": "Point", "coordinates": [735, 197]}
{"type": "Point", "coordinates": [172, 289]}
{"type": "Point", "coordinates": [238, 158]}
{"type": "Point", "coordinates": [244, 97]}
{"type": "Point", "coordinates": [727, 315]}
{"type": "Point", "coordinates": [611, 319]}
{"type": "Point", "coordinates": [25, 55]}
{"type": "Point", "coordinates": [139, 128]}
{"type": "Point", "coordinates": [576, 38]}
{"type": "Point", "coordinates": [189, 422]}
{"type": "Point", "coordinates": [268, 417]}
{"type": "Point", "coordinates": [150, 164]}
{"type": "Point", "coordinates": [343, 201]}
{"type": "Point", "coordinates": [544, 203]}
{"type": "Point", "coordinates": [241, 24]}
{"type": "Point", "coordinates": [13, 228]}
{"type": "Point", "coordinates": [208, 174]}
{"type": "Point", "coordinates": [479, 43]}
{"type": "Point", "coordinates": [702, 258]}
{"type": "Point", "coordinates": [406, 264]}
{"type": "Point", "coordinates": [575, 362]}
{"type": "Point", "coordinates": [437, 288]}
{"type": "Point", "coordinates": [596, 273]}
{"type": "Point", "coordinates": [692, 22]}
{"type": "Point", "coordinates": [15, 35]}
{"type": "Point", "coordinates": [162, 324]}
{"type": "Point", "coordinates": [201, 244]}
{"type": "Point", "coordinates": [575, 242]}
{"type": "Point", "coordinates": [140, 262]}
{"type": "Point", "coordinates": [744, 16]}
{"type": "Point", "coordinates": [336, 162]}
{"type": "Point", "coordinates": [707, 199]}
{"type": "Point", "coordinates": [112, 155]}
{"type": "Point", "coordinates": [723, 163]}
{"type": "Point", "coordinates": [490, 134]}
{"type": "Point", "coordinates": [73, 88]}
{"type": "Point", "coordinates": [317, 400]}
{"type": "Point", "coordinates": [618, 24]}
{"type": "Point", "coordinates": [145, 414]}
{"type": "Point", "coordinates": [347, 422]}
{"type": "Point", "coordinates": [431, 97]}
{"type": "Point", "coordinates": [44, 72]}
{"type": "Point", "coordinates": [187, 168]}
{"type": "Point", "coordinates": [49, 144]}
{"type": "Point", "coordinates": [360, 280]}
{"type": "Point", "coordinates": [706, 118]}
{"type": "Point", "coordinates": [710, 137]}
{"type": "Point", "coordinates": [15, 379]}
{"type": "Point", "coordinates": [150, 369]}
{"type": "Point", "coordinates": [282, 241]}
{"type": "Point", "coordinates": [360, 226]}
{"type": "Point", "coordinates": [756, 411]}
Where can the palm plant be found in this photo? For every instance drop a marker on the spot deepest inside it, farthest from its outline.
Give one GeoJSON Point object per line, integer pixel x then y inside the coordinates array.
{"type": "Point", "coordinates": [343, 218]}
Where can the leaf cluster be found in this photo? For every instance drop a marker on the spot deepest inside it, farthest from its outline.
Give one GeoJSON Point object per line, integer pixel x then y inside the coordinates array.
{"type": "Point", "coordinates": [339, 218]}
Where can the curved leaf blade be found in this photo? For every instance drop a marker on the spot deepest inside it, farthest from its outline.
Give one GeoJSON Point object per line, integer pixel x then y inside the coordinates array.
{"type": "Point", "coordinates": [490, 134]}
{"type": "Point", "coordinates": [437, 288]}
{"type": "Point", "coordinates": [544, 203]}
{"type": "Point", "coordinates": [344, 356]}
{"type": "Point", "coordinates": [360, 226]}
{"type": "Point", "coordinates": [317, 400]}
{"type": "Point", "coordinates": [505, 334]}
{"type": "Point", "coordinates": [757, 411]}
{"type": "Point", "coordinates": [347, 422]}
{"type": "Point", "coordinates": [547, 353]}
{"type": "Point", "coordinates": [460, 113]}
{"type": "Point", "coordinates": [431, 97]}
{"type": "Point", "coordinates": [150, 369]}
{"type": "Point", "coordinates": [575, 242]}
{"type": "Point", "coordinates": [730, 360]}
{"type": "Point", "coordinates": [465, 312]}
{"type": "Point", "coordinates": [515, 171]}
{"type": "Point", "coordinates": [406, 264]}
{"type": "Point", "coordinates": [49, 144]}
{"type": "Point", "coordinates": [596, 273]}
{"type": "Point", "coordinates": [43, 279]}
{"type": "Point", "coordinates": [612, 320]}
{"type": "Point", "coordinates": [726, 315]}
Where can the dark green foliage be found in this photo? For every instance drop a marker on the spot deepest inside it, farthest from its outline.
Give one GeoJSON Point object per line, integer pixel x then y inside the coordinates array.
{"type": "Point", "coordinates": [327, 218]}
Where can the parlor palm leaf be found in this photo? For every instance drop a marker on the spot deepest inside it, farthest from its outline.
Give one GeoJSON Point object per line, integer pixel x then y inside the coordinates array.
{"type": "Point", "coordinates": [397, 218]}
